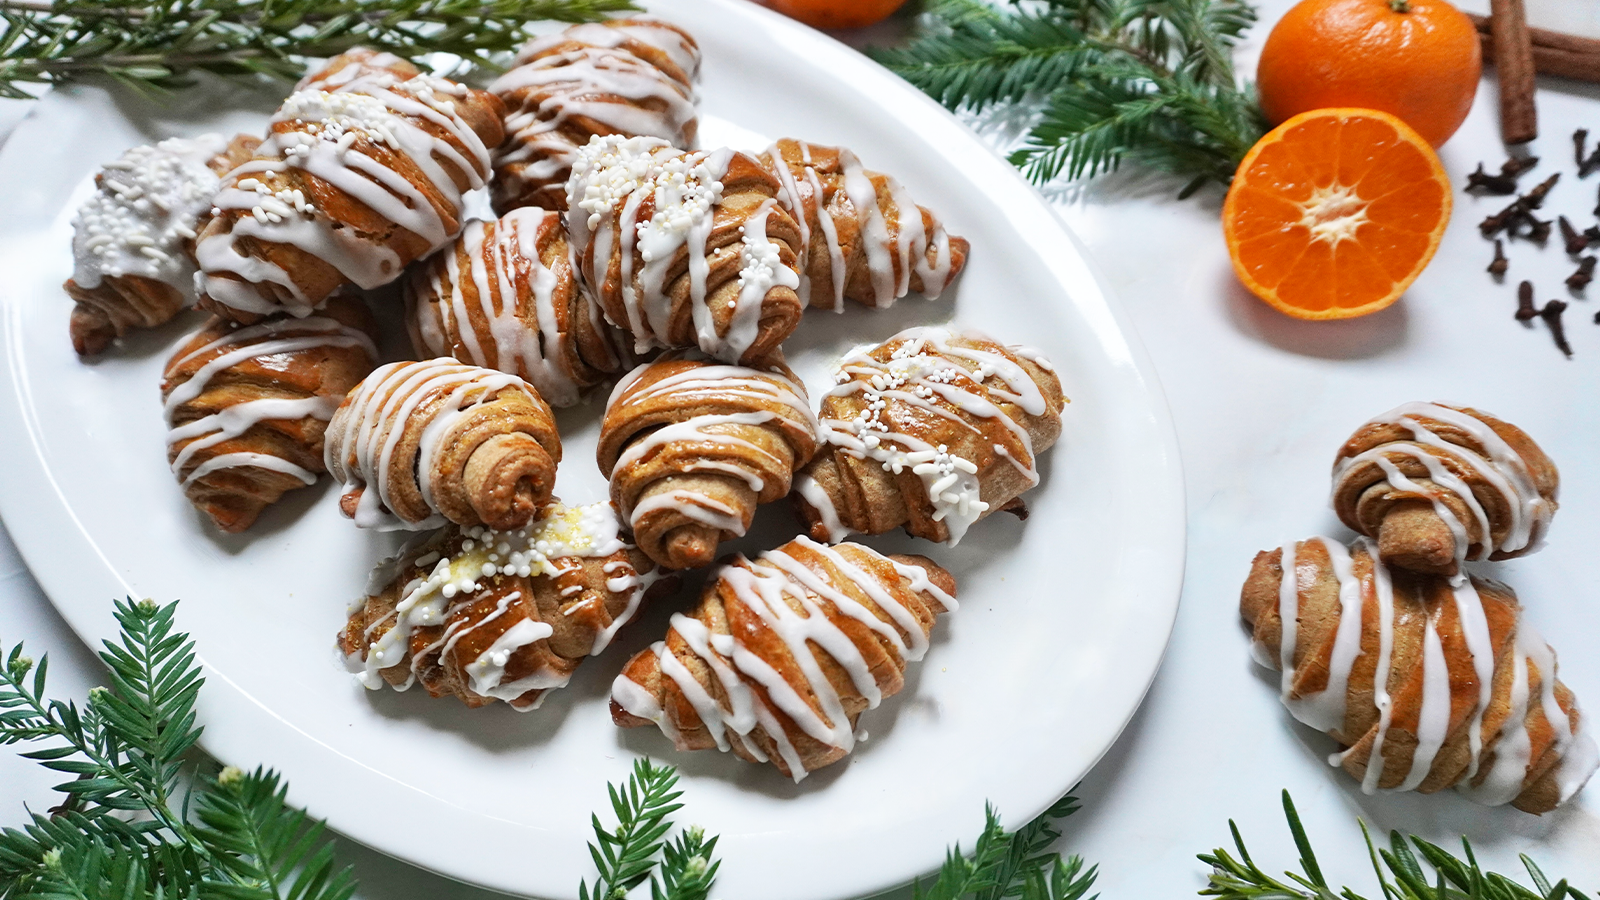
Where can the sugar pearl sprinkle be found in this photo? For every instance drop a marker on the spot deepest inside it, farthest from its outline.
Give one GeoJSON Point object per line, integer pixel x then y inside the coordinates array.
{"type": "Point", "coordinates": [147, 205]}
{"type": "Point", "coordinates": [338, 117]}
{"type": "Point", "coordinates": [613, 167]}
{"type": "Point", "coordinates": [759, 259]}
{"type": "Point", "coordinates": [527, 552]}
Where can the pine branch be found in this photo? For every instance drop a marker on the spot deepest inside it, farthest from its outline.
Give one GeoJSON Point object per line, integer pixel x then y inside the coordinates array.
{"type": "Point", "coordinates": [269, 850]}
{"type": "Point", "coordinates": [1147, 81]}
{"type": "Point", "coordinates": [157, 46]}
{"type": "Point", "coordinates": [688, 868]}
{"type": "Point", "coordinates": [1017, 864]}
{"type": "Point", "coordinates": [1400, 873]}
{"type": "Point", "coordinates": [626, 855]}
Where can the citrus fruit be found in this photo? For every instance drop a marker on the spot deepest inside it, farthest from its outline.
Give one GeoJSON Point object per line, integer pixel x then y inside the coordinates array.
{"type": "Point", "coordinates": [1418, 59]}
{"type": "Point", "coordinates": [837, 13]}
{"type": "Point", "coordinates": [1335, 212]}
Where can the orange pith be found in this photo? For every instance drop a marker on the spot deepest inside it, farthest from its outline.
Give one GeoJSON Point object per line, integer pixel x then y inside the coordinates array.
{"type": "Point", "coordinates": [1335, 213]}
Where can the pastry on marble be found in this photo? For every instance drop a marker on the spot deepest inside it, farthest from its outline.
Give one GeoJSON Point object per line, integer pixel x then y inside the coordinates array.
{"type": "Point", "coordinates": [1436, 485]}
{"type": "Point", "coordinates": [1424, 683]}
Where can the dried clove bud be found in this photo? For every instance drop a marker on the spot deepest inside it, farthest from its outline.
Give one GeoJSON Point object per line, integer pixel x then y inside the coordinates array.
{"type": "Point", "coordinates": [1579, 139]}
{"type": "Point", "coordinates": [1497, 266]}
{"type": "Point", "coordinates": [1491, 184]}
{"type": "Point", "coordinates": [1521, 210]}
{"type": "Point", "coordinates": [1580, 279]}
{"type": "Point", "coordinates": [1525, 310]}
{"type": "Point", "coordinates": [1576, 242]}
{"type": "Point", "coordinates": [1551, 314]}
{"type": "Point", "coordinates": [1516, 165]}
{"type": "Point", "coordinates": [1535, 198]}
{"type": "Point", "coordinates": [1592, 234]}
{"type": "Point", "coordinates": [1589, 164]}
{"type": "Point", "coordinates": [1538, 229]}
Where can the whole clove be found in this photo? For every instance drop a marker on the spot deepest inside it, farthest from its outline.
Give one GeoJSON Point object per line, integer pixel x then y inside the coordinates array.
{"type": "Point", "coordinates": [1490, 184]}
{"type": "Point", "coordinates": [1525, 309]}
{"type": "Point", "coordinates": [1580, 138]}
{"type": "Point", "coordinates": [1580, 279]}
{"type": "Point", "coordinates": [1589, 164]}
{"type": "Point", "coordinates": [1592, 233]}
{"type": "Point", "coordinates": [1576, 241]}
{"type": "Point", "coordinates": [1538, 229]}
{"type": "Point", "coordinates": [1521, 211]}
{"type": "Point", "coordinates": [1497, 266]}
{"type": "Point", "coordinates": [1551, 314]}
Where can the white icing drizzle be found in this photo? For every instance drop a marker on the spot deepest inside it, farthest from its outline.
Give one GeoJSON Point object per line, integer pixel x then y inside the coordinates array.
{"type": "Point", "coordinates": [1512, 746]}
{"type": "Point", "coordinates": [710, 383]}
{"type": "Point", "coordinates": [493, 268]}
{"type": "Point", "coordinates": [144, 213]}
{"type": "Point", "coordinates": [812, 492]}
{"type": "Point", "coordinates": [919, 373]}
{"type": "Point", "coordinates": [1500, 466]}
{"type": "Point", "coordinates": [545, 548]}
{"type": "Point", "coordinates": [373, 420]}
{"type": "Point", "coordinates": [601, 82]}
{"type": "Point", "coordinates": [375, 108]}
{"type": "Point", "coordinates": [767, 590]}
{"type": "Point", "coordinates": [612, 178]}
{"type": "Point", "coordinates": [891, 274]}
{"type": "Point", "coordinates": [274, 337]}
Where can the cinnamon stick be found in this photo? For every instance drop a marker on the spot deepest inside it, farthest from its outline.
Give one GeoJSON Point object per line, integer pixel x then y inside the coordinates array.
{"type": "Point", "coordinates": [1513, 55]}
{"type": "Point", "coordinates": [1554, 52]}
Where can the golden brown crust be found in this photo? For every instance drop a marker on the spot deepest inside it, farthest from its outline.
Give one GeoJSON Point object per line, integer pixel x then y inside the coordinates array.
{"type": "Point", "coordinates": [555, 104]}
{"type": "Point", "coordinates": [582, 601]}
{"type": "Point", "coordinates": [488, 298]}
{"type": "Point", "coordinates": [815, 186]}
{"type": "Point", "coordinates": [328, 364]}
{"type": "Point", "coordinates": [692, 446]}
{"type": "Point", "coordinates": [1424, 606]}
{"type": "Point", "coordinates": [732, 612]}
{"type": "Point", "coordinates": [870, 498]}
{"type": "Point", "coordinates": [1405, 519]}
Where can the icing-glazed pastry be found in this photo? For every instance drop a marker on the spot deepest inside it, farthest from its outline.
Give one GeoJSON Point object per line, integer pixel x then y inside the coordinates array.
{"type": "Point", "coordinates": [247, 406]}
{"type": "Point", "coordinates": [1425, 683]}
{"type": "Point", "coordinates": [1436, 485]}
{"type": "Point", "coordinates": [685, 249]}
{"type": "Point", "coordinates": [352, 184]}
{"type": "Point", "coordinates": [418, 444]}
{"type": "Point", "coordinates": [486, 615]}
{"type": "Point", "coordinates": [504, 296]}
{"type": "Point", "coordinates": [784, 653]}
{"type": "Point", "coordinates": [930, 430]}
{"type": "Point", "coordinates": [861, 234]}
{"type": "Point", "coordinates": [692, 446]}
{"type": "Point", "coordinates": [357, 62]}
{"type": "Point", "coordinates": [629, 77]}
{"type": "Point", "coordinates": [133, 241]}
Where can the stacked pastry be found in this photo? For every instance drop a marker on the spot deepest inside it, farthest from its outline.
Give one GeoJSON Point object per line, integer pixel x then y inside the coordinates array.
{"type": "Point", "coordinates": [617, 239]}
{"type": "Point", "coordinates": [1426, 675]}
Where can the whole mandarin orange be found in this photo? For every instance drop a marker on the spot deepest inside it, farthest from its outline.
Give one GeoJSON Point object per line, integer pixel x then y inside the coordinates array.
{"type": "Point", "coordinates": [837, 13]}
{"type": "Point", "coordinates": [1416, 59]}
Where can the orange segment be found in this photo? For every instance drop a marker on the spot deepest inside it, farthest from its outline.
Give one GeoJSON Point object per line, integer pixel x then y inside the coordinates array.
{"type": "Point", "coordinates": [1335, 212]}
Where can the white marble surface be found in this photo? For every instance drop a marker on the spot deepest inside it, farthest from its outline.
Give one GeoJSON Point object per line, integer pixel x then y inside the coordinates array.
{"type": "Point", "coordinates": [1261, 402]}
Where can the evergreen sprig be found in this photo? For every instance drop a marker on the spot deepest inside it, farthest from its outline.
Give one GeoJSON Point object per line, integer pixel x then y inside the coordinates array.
{"type": "Point", "coordinates": [626, 855]}
{"type": "Point", "coordinates": [1146, 81]}
{"type": "Point", "coordinates": [158, 45]}
{"type": "Point", "coordinates": [1400, 872]}
{"type": "Point", "coordinates": [121, 832]}
{"type": "Point", "coordinates": [1013, 864]}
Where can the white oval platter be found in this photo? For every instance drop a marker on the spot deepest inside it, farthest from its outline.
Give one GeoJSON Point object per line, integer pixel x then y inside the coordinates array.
{"type": "Point", "coordinates": [1063, 619]}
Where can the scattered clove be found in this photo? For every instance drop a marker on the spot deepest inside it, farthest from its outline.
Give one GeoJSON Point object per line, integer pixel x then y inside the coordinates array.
{"type": "Point", "coordinates": [1521, 211]}
{"type": "Point", "coordinates": [1538, 229]}
{"type": "Point", "coordinates": [1589, 164]}
{"type": "Point", "coordinates": [1592, 234]}
{"type": "Point", "coordinates": [1576, 241]}
{"type": "Point", "coordinates": [1551, 314]}
{"type": "Point", "coordinates": [1525, 310]}
{"type": "Point", "coordinates": [1497, 266]}
{"type": "Point", "coordinates": [1516, 165]}
{"type": "Point", "coordinates": [1491, 184]}
{"type": "Point", "coordinates": [1579, 139]}
{"type": "Point", "coordinates": [1597, 318]}
{"type": "Point", "coordinates": [1580, 279]}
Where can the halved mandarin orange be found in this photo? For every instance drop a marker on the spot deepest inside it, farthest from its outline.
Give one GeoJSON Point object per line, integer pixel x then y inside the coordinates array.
{"type": "Point", "coordinates": [1335, 213]}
